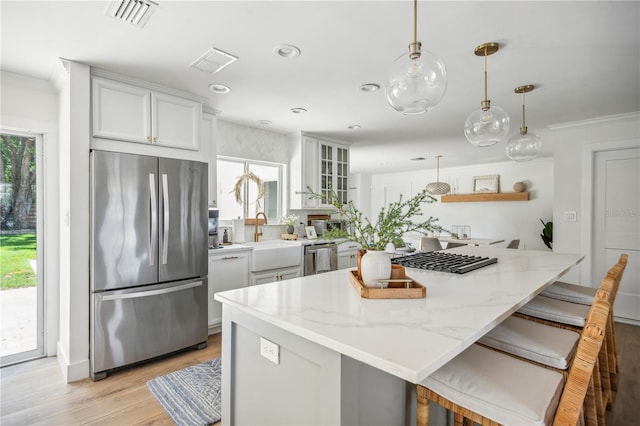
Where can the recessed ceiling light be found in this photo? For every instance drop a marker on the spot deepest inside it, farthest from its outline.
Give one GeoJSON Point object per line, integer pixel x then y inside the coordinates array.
{"type": "Point", "coordinates": [264, 122]}
{"type": "Point", "coordinates": [370, 87]}
{"type": "Point", "coordinates": [213, 61]}
{"type": "Point", "coordinates": [418, 159]}
{"type": "Point", "coordinates": [298, 110]}
{"type": "Point", "coordinates": [355, 127]}
{"type": "Point", "coordinates": [219, 88]}
{"type": "Point", "coordinates": [287, 51]}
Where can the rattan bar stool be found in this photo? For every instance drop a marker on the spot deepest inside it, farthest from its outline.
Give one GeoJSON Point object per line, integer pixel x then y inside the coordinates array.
{"type": "Point", "coordinates": [547, 346]}
{"type": "Point", "coordinates": [492, 388]}
{"type": "Point", "coordinates": [572, 316]}
{"type": "Point", "coordinates": [561, 313]}
{"type": "Point", "coordinates": [584, 296]}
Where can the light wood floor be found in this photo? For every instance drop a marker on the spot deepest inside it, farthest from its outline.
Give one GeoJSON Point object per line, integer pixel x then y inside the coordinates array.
{"type": "Point", "coordinates": [35, 392]}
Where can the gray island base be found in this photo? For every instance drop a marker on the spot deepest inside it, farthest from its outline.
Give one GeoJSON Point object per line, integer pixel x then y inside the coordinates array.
{"type": "Point", "coordinates": [311, 385]}
{"type": "Point", "coordinates": [310, 351]}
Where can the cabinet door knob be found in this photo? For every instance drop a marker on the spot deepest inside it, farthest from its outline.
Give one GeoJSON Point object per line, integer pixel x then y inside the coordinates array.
{"type": "Point", "coordinates": [155, 139]}
{"type": "Point", "coordinates": [149, 138]}
{"type": "Point", "coordinates": [229, 257]}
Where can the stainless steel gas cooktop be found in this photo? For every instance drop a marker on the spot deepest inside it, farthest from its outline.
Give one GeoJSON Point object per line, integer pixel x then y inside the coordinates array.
{"type": "Point", "coordinates": [445, 262]}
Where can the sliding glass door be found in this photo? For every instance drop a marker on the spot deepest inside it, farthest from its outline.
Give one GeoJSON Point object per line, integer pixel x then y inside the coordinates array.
{"type": "Point", "coordinates": [21, 260]}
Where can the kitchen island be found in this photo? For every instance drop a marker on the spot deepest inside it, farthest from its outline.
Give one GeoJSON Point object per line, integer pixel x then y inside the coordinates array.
{"type": "Point", "coordinates": [311, 351]}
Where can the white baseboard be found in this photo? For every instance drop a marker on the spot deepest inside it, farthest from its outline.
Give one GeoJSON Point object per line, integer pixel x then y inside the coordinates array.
{"type": "Point", "coordinates": [627, 321]}
{"type": "Point", "coordinates": [72, 372]}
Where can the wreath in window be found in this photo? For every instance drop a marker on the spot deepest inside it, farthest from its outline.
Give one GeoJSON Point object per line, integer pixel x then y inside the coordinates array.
{"type": "Point", "coordinates": [242, 180]}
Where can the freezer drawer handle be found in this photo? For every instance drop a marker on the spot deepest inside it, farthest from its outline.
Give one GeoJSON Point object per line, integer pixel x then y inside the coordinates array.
{"type": "Point", "coordinates": [153, 228]}
{"type": "Point", "coordinates": [152, 292]}
{"type": "Point", "coordinates": [165, 206]}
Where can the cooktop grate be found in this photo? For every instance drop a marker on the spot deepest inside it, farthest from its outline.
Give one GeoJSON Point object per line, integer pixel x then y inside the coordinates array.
{"type": "Point", "coordinates": [445, 262]}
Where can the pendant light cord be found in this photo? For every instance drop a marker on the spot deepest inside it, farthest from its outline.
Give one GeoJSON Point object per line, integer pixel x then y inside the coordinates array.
{"type": "Point", "coordinates": [415, 21]}
{"type": "Point", "coordinates": [485, 75]}
{"type": "Point", "coordinates": [523, 122]}
{"type": "Point", "coordinates": [523, 129]}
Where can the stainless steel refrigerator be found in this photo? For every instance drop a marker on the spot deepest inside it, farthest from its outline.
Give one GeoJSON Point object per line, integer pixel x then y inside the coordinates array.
{"type": "Point", "coordinates": [149, 226]}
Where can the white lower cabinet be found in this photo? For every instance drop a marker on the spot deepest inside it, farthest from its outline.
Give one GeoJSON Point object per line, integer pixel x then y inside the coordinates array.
{"type": "Point", "coordinates": [227, 271]}
{"type": "Point", "coordinates": [347, 260]}
{"type": "Point", "coordinates": [348, 255]}
{"type": "Point", "coordinates": [275, 275]}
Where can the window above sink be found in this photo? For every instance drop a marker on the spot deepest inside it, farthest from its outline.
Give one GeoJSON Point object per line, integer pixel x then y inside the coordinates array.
{"type": "Point", "coordinates": [241, 176]}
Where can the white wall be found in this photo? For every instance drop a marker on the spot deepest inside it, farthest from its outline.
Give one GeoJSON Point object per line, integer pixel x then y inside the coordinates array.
{"type": "Point", "coordinates": [505, 220]}
{"type": "Point", "coordinates": [29, 104]}
{"type": "Point", "coordinates": [239, 141]}
{"type": "Point", "coordinates": [73, 85]}
{"type": "Point", "coordinates": [575, 144]}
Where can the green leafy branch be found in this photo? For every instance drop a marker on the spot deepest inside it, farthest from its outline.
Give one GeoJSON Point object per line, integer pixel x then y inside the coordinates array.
{"type": "Point", "coordinates": [393, 220]}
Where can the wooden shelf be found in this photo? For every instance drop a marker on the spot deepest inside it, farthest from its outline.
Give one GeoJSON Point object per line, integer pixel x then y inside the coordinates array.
{"type": "Point", "coordinates": [503, 196]}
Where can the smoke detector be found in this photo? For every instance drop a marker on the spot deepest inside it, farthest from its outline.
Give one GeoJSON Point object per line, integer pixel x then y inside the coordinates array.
{"type": "Point", "coordinates": [134, 12]}
{"type": "Point", "coordinates": [213, 61]}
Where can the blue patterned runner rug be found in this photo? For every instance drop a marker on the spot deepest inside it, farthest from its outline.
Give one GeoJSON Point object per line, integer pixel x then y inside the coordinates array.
{"type": "Point", "coordinates": [191, 396]}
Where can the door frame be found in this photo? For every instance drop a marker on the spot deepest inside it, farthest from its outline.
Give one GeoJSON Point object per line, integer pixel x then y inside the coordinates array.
{"type": "Point", "coordinates": [588, 169]}
{"type": "Point", "coordinates": [40, 350]}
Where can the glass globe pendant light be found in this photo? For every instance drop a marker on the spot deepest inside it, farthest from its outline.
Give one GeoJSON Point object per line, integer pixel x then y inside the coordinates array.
{"type": "Point", "coordinates": [437, 187]}
{"type": "Point", "coordinates": [417, 80]}
{"type": "Point", "coordinates": [523, 146]}
{"type": "Point", "coordinates": [490, 124]}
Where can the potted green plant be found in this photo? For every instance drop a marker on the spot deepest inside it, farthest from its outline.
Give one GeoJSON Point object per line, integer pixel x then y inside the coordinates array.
{"type": "Point", "coordinates": [392, 222]}
{"type": "Point", "coordinates": [547, 233]}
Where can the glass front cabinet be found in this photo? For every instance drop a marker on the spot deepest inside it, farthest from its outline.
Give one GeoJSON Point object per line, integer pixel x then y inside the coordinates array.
{"type": "Point", "coordinates": [321, 165]}
{"type": "Point", "coordinates": [334, 171]}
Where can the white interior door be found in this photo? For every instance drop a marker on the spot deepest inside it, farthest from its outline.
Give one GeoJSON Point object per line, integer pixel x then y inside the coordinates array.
{"type": "Point", "coordinates": [616, 224]}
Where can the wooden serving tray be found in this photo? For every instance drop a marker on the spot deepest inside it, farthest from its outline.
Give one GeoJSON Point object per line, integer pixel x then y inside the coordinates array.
{"type": "Point", "coordinates": [394, 291]}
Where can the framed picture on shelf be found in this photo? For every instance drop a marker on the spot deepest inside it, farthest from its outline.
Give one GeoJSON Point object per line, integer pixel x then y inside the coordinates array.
{"type": "Point", "coordinates": [311, 232]}
{"type": "Point", "coordinates": [486, 184]}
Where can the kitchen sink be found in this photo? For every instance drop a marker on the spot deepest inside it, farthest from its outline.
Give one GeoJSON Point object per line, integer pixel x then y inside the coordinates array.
{"type": "Point", "coordinates": [276, 254]}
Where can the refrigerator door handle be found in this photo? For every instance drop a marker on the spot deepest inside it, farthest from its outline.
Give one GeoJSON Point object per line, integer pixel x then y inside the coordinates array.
{"type": "Point", "coordinates": [147, 293]}
{"type": "Point", "coordinates": [165, 206]}
{"type": "Point", "coordinates": [153, 225]}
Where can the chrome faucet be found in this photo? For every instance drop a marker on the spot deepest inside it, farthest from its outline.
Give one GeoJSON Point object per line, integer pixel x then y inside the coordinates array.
{"type": "Point", "coordinates": [257, 234]}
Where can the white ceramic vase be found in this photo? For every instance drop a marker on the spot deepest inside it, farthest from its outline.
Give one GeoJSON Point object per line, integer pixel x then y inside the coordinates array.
{"type": "Point", "coordinates": [376, 265]}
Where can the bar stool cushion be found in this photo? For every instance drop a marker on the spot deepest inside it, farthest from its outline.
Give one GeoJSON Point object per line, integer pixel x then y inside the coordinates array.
{"type": "Point", "coordinates": [498, 386]}
{"type": "Point", "coordinates": [534, 341]}
{"type": "Point", "coordinates": [556, 310]}
{"type": "Point", "coordinates": [570, 293]}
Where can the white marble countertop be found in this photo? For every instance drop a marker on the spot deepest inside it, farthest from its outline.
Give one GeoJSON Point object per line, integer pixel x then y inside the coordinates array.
{"type": "Point", "coordinates": [409, 338]}
{"type": "Point", "coordinates": [231, 248]}
{"type": "Point", "coordinates": [471, 241]}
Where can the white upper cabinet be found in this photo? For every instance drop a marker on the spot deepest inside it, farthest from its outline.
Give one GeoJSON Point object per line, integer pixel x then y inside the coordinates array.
{"type": "Point", "coordinates": [175, 121]}
{"type": "Point", "coordinates": [319, 165]}
{"type": "Point", "coordinates": [130, 113]}
{"type": "Point", "coordinates": [120, 111]}
{"type": "Point", "coordinates": [304, 166]}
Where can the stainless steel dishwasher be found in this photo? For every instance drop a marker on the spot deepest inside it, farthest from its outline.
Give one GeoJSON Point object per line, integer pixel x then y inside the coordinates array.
{"type": "Point", "coordinates": [320, 257]}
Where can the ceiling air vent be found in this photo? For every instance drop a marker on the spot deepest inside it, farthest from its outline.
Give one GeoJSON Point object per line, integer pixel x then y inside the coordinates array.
{"type": "Point", "coordinates": [134, 12]}
{"type": "Point", "coordinates": [213, 60]}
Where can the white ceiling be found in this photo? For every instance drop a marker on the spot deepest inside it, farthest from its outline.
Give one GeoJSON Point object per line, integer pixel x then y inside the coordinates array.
{"type": "Point", "coordinates": [583, 56]}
